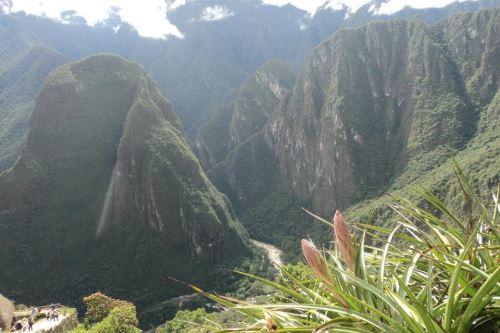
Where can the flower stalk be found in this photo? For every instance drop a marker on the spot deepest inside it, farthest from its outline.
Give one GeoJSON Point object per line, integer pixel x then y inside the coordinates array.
{"type": "Point", "coordinates": [344, 241]}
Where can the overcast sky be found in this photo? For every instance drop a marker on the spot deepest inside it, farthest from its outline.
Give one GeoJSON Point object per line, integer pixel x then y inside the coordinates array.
{"type": "Point", "coordinates": [148, 16]}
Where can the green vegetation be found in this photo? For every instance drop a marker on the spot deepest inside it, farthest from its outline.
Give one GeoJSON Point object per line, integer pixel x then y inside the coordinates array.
{"type": "Point", "coordinates": [479, 160]}
{"type": "Point", "coordinates": [107, 315]}
{"type": "Point", "coordinates": [99, 306]}
{"type": "Point", "coordinates": [199, 321]}
{"type": "Point", "coordinates": [187, 321]}
{"type": "Point", "coordinates": [25, 63]}
{"type": "Point", "coordinates": [108, 189]}
{"type": "Point", "coordinates": [108, 195]}
{"type": "Point", "coordinates": [280, 220]}
{"type": "Point", "coordinates": [375, 110]}
{"type": "Point", "coordinates": [433, 271]}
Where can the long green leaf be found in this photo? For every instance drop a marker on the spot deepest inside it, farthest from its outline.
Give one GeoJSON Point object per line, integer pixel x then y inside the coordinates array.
{"type": "Point", "coordinates": [450, 305]}
{"type": "Point", "coordinates": [430, 324]}
{"type": "Point", "coordinates": [381, 275]}
{"type": "Point", "coordinates": [334, 309]}
{"type": "Point", "coordinates": [479, 301]}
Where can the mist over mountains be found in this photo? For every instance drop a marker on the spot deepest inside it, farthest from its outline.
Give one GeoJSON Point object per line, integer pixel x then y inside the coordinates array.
{"type": "Point", "coordinates": [202, 72]}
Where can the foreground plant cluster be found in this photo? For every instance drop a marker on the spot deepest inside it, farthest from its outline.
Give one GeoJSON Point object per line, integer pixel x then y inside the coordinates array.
{"type": "Point", "coordinates": [434, 271]}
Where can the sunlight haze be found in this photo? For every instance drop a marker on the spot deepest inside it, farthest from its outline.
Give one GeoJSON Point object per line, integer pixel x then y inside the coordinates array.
{"type": "Point", "coordinates": [149, 18]}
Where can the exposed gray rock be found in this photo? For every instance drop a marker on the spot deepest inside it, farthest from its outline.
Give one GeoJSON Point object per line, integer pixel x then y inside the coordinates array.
{"type": "Point", "coordinates": [6, 312]}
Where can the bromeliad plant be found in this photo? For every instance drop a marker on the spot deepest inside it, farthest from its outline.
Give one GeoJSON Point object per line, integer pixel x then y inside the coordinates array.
{"type": "Point", "coordinates": [435, 271]}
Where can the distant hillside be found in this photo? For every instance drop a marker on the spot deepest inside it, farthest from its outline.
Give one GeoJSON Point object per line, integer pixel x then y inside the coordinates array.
{"type": "Point", "coordinates": [24, 64]}
{"type": "Point", "coordinates": [374, 109]}
{"type": "Point", "coordinates": [202, 72]}
{"type": "Point", "coordinates": [108, 196]}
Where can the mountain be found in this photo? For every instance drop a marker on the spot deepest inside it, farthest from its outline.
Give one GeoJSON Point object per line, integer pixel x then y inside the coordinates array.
{"type": "Point", "coordinates": [107, 195]}
{"type": "Point", "coordinates": [25, 63]}
{"type": "Point", "coordinates": [201, 72]}
{"type": "Point", "coordinates": [375, 108]}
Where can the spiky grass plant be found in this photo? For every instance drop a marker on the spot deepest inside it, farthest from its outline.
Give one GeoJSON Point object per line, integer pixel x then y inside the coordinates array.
{"type": "Point", "coordinates": [434, 271]}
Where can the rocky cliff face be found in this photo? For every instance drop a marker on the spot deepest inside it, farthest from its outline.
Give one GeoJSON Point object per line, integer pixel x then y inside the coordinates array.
{"type": "Point", "coordinates": [367, 102]}
{"type": "Point", "coordinates": [472, 41]}
{"type": "Point", "coordinates": [6, 313]}
{"type": "Point", "coordinates": [249, 169]}
{"type": "Point", "coordinates": [257, 99]}
{"type": "Point", "coordinates": [374, 108]}
{"type": "Point", "coordinates": [107, 194]}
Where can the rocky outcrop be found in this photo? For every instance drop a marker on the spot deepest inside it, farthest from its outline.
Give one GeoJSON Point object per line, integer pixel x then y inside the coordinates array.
{"type": "Point", "coordinates": [472, 41]}
{"type": "Point", "coordinates": [258, 97]}
{"type": "Point", "coordinates": [249, 171]}
{"type": "Point", "coordinates": [108, 195]}
{"type": "Point", "coordinates": [6, 312]}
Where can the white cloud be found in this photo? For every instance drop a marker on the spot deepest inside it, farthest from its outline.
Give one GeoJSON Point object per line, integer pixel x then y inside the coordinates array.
{"type": "Point", "coordinates": [312, 5]}
{"type": "Point", "coordinates": [174, 4]}
{"type": "Point", "coordinates": [352, 5]}
{"type": "Point", "coordinates": [307, 5]}
{"type": "Point", "coordinates": [336, 5]}
{"type": "Point", "coordinates": [216, 13]}
{"type": "Point", "coordinates": [147, 17]}
{"type": "Point", "coordinates": [389, 7]}
{"type": "Point", "coordinates": [394, 6]}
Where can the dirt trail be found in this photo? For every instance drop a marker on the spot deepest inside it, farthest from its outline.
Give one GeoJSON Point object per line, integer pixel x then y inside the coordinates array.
{"type": "Point", "coordinates": [273, 253]}
{"type": "Point", "coordinates": [44, 325]}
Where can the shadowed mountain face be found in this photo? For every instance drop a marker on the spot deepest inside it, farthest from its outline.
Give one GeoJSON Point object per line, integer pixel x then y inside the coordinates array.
{"type": "Point", "coordinates": [375, 108]}
{"type": "Point", "coordinates": [107, 194]}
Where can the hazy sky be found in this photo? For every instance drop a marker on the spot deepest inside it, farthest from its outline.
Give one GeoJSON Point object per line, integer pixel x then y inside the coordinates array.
{"type": "Point", "coordinates": [148, 16]}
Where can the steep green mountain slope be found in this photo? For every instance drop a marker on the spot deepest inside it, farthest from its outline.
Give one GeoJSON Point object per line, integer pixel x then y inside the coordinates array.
{"type": "Point", "coordinates": [24, 64]}
{"type": "Point", "coordinates": [258, 96]}
{"type": "Point", "coordinates": [479, 160]}
{"type": "Point", "coordinates": [248, 169]}
{"type": "Point", "coordinates": [374, 109]}
{"type": "Point", "coordinates": [108, 196]}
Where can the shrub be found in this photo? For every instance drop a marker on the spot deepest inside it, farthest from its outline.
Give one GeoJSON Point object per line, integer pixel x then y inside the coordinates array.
{"type": "Point", "coordinates": [200, 321]}
{"type": "Point", "coordinates": [99, 306]}
{"type": "Point", "coordinates": [187, 321]}
{"type": "Point", "coordinates": [121, 319]}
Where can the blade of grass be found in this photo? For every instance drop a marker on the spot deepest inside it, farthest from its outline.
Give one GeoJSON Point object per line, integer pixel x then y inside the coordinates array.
{"type": "Point", "coordinates": [479, 301]}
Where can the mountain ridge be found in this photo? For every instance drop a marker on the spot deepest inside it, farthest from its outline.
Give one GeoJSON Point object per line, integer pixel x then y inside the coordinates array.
{"type": "Point", "coordinates": [107, 194]}
{"type": "Point", "coordinates": [374, 108]}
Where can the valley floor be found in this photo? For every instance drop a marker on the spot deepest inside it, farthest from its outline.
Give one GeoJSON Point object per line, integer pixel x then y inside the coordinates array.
{"type": "Point", "coordinates": [273, 253]}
